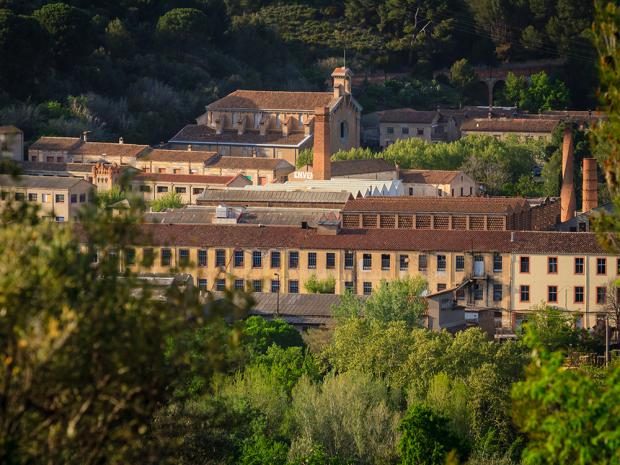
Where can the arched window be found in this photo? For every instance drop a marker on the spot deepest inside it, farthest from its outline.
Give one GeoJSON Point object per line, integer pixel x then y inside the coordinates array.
{"type": "Point", "coordinates": [344, 130]}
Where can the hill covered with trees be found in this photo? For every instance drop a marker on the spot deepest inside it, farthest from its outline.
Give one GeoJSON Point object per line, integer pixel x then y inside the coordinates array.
{"type": "Point", "coordinates": [143, 68]}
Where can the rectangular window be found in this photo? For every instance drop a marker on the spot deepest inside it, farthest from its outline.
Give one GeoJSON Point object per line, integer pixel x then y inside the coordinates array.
{"type": "Point", "coordinates": [348, 261]}
{"type": "Point", "coordinates": [60, 219]}
{"type": "Point", "coordinates": [220, 257]}
{"type": "Point", "coordinates": [257, 285]}
{"type": "Point", "coordinates": [552, 265]}
{"type": "Point", "coordinates": [390, 130]}
{"type": "Point", "coordinates": [198, 190]}
{"type": "Point", "coordinates": [238, 284]}
{"type": "Point", "coordinates": [257, 259]}
{"type": "Point", "coordinates": [552, 294]}
{"type": "Point", "coordinates": [238, 259]}
{"type": "Point", "coordinates": [293, 286]}
{"type": "Point", "coordinates": [601, 295]}
{"type": "Point", "coordinates": [497, 292]}
{"type": "Point", "coordinates": [166, 256]}
{"type": "Point", "coordinates": [460, 262]}
{"type": "Point", "coordinates": [130, 256]}
{"type": "Point", "coordinates": [348, 286]}
{"type": "Point", "coordinates": [220, 284]}
{"type": "Point", "coordinates": [524, 264]}
{"type": "Point", "coordinates": [460, 294]}
{"type": "Point", "coordinates": [148, 257]}
{"type": "Point", "coordinates": [162, 189]}
{"type": "Point", "coordinates": [403, 262]}
{"type": "Point", "coordinates": [275, 259]}
{"type": "Point", "coordinates": [32, 197]}
{"type": "Point", "coordinates": [60, 198]}
{"type": "Point", "coordinates": [578, 265]}
{"type": "Point", "coordinates": [311, 260]}
{"type": "Point", "coordinates": [144, 188]}
{"type": "Point", "coordinates": [422, 262]}
{"type": "Point", "coordinates": [183, 257]}
{"type": "Point", "coordinates": [275, 286]}
{"type": "Point", "coordinates": [441, 263]}
{"type": "Point", "coordinates": [330, 260]}
{"type": "Point", "coordinates": [601, 266]}
{"type": "Point", "coordinates": [74, 198]}
{"type": "Point", "coordinates": [420, 132]}
{"type": "Point", "coordinates": [202, 257]}
{"type": "Point", "coordinates": [202, 284]}
{"type": "Point", "coordinates": [293, 260]}
{"type": "Point", "coordinates": [366, 261]}
{"type": "Point", "coordinates": [367, 288]}
{"type": "Point", "coordinates": [44, 198]}
{"type": "Point", "coordinates": [617, 265]}
{"type": "Point", "coordinates": [82, 198]}
{"type": "Point", "coordinates": [578, 294]}
{"type": "Point", "coordinates": [478, 292]}
{"type": "Point", "coordinates": [405, 130]}
{"type": "Point", "coordinates": [524, 293]}
{"type": "Point", "coordinates": [441, 287]}
{"type": "Point", "coordinates": [180, 190]}
{"type": "Point", "coordinates": [385, 261]}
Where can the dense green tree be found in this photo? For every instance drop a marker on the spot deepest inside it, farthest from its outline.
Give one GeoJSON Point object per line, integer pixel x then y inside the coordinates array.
{"type": "Point", "coordinates": [259, 334]}
{"type": "Point", "coordinates": [183, 27]}
{"type": "Point", "coordinates": [169, 200]}
{"type": "Point", "coordinates": [462, 76]}
{"type": "Point", "coordinates": [320, 286]}
{"type": "Point", "coordinates": [70, 30]}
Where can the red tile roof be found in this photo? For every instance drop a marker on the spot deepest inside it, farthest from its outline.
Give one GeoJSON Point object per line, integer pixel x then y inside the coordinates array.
{"type": "Point", "coordinates": [252, 236]}
{"type": "Point", "coordinates": [185, 178]}
{"type": "Point", "coordinates": [109, 149]}
{"type": "Point", "coordinates": [545, 125]}
{"type": "Point", "coordinates": [201, 134]}
{"type": "Point", "coordinates": [473, 205]}
{"type": "Point", "coordinates": [272, 100]}
{"type": "Point", "coordinates": [56, 144]}
{"type": "Point", "coordinates": [407, 115]}
{"type": "Point", "coordinates": [249, 163]}
{"type": "Point", "coordinates": [428, 176]}
{"type": "Point", "coordinates": [185, 156]}
{"type": "Point", "coordinates": [351, 167]}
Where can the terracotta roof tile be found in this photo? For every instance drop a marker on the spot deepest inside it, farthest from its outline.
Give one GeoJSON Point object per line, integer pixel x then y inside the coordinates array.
{"type": "Point", "coordinates": [489, 205]}
{"type": "Point", "coordinates": [407, 115]}
{"type": "Point", "coordinates": [193, 156]}
{"type": "Point", "coordinates": [201, 134]}
{"type": "Point", "coordinates": [428, 176]}
{"type": "Point", "coordinates": [185, 178]}
{"type": "Point", "coordinates": [351, 167]}
{"type": "Point", "coordinates": [510, 125]}
{"type": "Point", "coordinates": [272, 100]}
{"type": "Point", "coordinates": [41, 182]}
{"type": "Point", "coordinates": [56, 143]}
{"type": "Point", "coordinates": [109, 149]}
{"type": "Point", "coordinates": [250, 163]}
{"type": "Point", "coordinates": [251, 236]}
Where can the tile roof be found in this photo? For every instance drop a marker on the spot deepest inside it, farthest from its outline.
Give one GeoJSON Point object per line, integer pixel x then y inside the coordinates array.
{"type": "Point", "coordinates": [202, 134]}
{"type": "Point", "coordinates": [249, 163]}
{"type": "Point", "coordinates": [481, 205]}
{"type": "Point", "coordinates": [56, 143]}
{"type": "Point", "coordinates": [109, 149]}
{"type": "Point", "coordinates": [182, 156]}
{"type": "Point", "coordinates": [351, 167]}
{"type": "Point", "coordinates": [294, 196]}
{"type": "Point", "coordinates": [407, 115]}
{"type": "Point", "coordinates": [545, 125]}
{"type": "Point", "coordinates": [9, 129]}
{"type": "Point", "coordinates": [32, 166]}
{"type": "Point", "coordinates": [281, 237]}
{"type": "Point", "coordinates": [40, 182]}
{"type": "Point", "coordinates": [273, 100]}
{"type": "Point", "coordinates": [428, 176]}
{"type": "Point", "coordinates": [185, 178]}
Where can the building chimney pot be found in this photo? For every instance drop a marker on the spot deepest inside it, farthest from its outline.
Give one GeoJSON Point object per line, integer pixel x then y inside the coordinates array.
{"type": "Point", "coordinates": [189, 148]}
{"type": "Point", "coordinates": [567, 194]}
{"type": "Point", "coordinates": [590, 185]}
{"type": "Point", "coordinates": [121, 140]}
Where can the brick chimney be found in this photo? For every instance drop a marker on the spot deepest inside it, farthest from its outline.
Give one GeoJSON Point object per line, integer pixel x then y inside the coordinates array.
{"type": "Point", "coordinates": [590, 185]}
{"type": "Point", "coordinates": [567, 194]}
{"type": "Point", "coordinates": [321, 160]}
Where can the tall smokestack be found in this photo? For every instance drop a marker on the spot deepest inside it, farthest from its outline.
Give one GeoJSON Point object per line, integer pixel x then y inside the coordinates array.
{"type": "Point", "coordinates": [567, 194]}
{"type": "Point", "coordinates": [590, 185]}
{"type": "Point", "coordinates": [321, 160]}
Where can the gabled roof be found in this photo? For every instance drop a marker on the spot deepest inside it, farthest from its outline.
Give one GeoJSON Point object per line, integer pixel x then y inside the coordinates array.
{"type": "Point", "coordinates": [428, 176]}
{"type": "Point", "coordinates": [249, 163]}
{"type": "Point", "coordinates": [273, 100]}
{"type": "Point", "coordinates": [186, 178]}
{"type": "Point", "coordinates": [40, 182]}
{"type": "Point", "coordinates": [293, 197]}
{"type": "Point", "coordinates": [201, 134]}
{"type": "Point", "coordinates": [351, 167]}
{"type": "Point", "coordinates": [543, 125]}
{"type": "Point", "coordinates": [407, 115]}
{"type": "Point", "coordinates": [181, 156]}
{"type": "Point", "coordinates": [56, 144]}
{"type": "Point", "coordinates": [456, 205]}
{"type": "Point", "coordinates": [109, 149]}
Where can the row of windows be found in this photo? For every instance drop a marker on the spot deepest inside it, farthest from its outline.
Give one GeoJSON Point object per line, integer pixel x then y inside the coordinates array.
{"type": "Point", "coordinates": [552, 294]}
{"type": "Point", "coordinates": [552, 265]}
{"type": "Point", "coordinates": [164, 189]}
{"type": "Point", "coordinates": [405, 130]}
{"type": "Point", "coordinates": [45, 198]}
